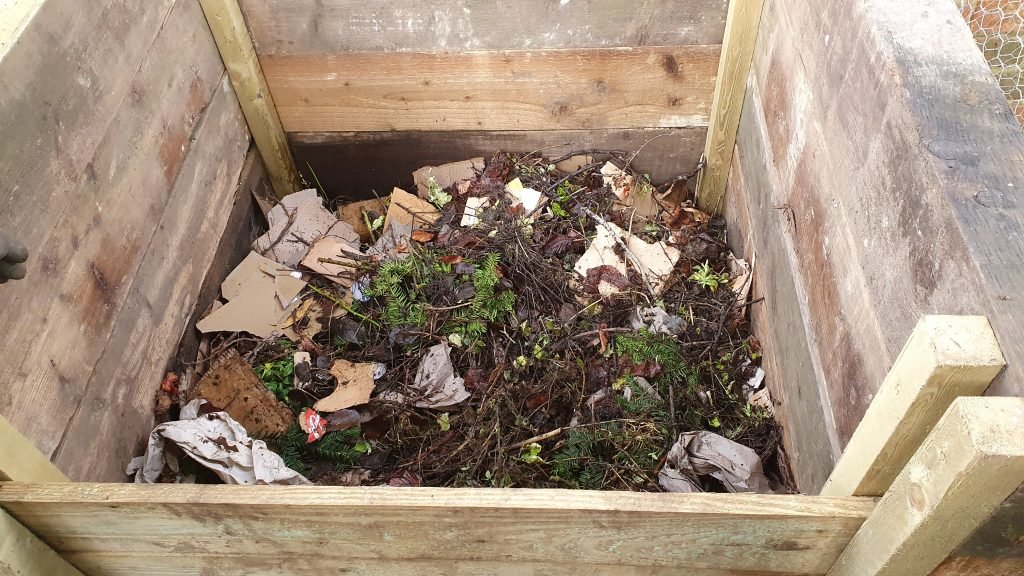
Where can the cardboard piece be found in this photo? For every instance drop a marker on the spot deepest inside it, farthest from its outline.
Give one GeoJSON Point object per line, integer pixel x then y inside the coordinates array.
{"type": "Point", "coordinates": [528, 197]}
{"type": "Point", "coordinates": [355, 384]}
{"type": "Point", "coordinates": [601, 252]}
{"type": "Point", "coordinates": [409, 210]}
{"type": "Point", "coordinates": [353, 215]}
{"type": "Point", "coordinates": [474, 207]}
{"type": "Point", "coordinates": [254, 299]}
{"type": "Point", "coordinates": [232, 386]}
{"type": "Point", "coordinates": [297, 221]}
{"type": "Point", "coordinates": [632, 197]}
{"type": "Point", "coordinates": [574, 163]}
{"type": "Point", "coordinates": [446, 174]}
{"type": "Point", "coordinates": [336, 249]}
{"type": "Point", "coordinates": [657, 260]}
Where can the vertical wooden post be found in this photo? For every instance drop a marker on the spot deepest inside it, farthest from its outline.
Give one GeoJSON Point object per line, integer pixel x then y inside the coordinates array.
{"type": "Point", "coordinates": [243, 66]}
{"type": "Point", "coordinates": [730, 88]}
{"type": "Point", "coordinates": [20, 551]}
{"type": "Point", "coordinates": [969, 464]}
{"type": "Point", "coordinates": [944, 358]}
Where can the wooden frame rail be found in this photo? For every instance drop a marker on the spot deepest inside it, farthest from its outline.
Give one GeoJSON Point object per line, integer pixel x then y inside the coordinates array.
{"type": "Point", "coordinates": [243, 67]}
{"type": "Point", "coordinates": [741, 28]}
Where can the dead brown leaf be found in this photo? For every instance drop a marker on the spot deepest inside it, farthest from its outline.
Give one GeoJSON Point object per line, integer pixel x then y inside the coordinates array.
{"type": "Point", "coordinates": [422, 236]}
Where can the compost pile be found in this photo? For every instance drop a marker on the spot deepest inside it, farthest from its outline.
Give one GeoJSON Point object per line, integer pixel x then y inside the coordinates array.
{"type": "Point", "coordinates": [516, 322]}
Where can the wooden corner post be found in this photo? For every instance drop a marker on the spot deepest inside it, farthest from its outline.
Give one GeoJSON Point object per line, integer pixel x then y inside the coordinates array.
{"type": "Point", "coordinates": [945, 357]}
{"type": "Point", "coordinates": [969, 464]}
{"type": "Point", "coordinates": [243, 66]}
{"type": "Point", "coordinates": [21, 552]}
{"type": "Point", "coordinates": [741, 27]}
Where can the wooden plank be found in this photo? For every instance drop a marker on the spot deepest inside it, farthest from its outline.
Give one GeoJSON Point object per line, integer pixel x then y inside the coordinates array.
{"type": "Point", "coordinates": [21, 553]}
{"type": "Point", "coordinates": [652, 87]}
{"type": "Point", "coordinates": [116, 412]}
{"type": "Point", "coordinates": [20, 461]}
{"type": "Point", "coordinates": [782, 322]}
{"type": "Point", "coordinates": [996, 548]}
{"type": "Point", "coordinates": [232, 36]}
{"type": "Point", "coordinates": [88, 220]}
{"type": "Point", "coordinates": [969, 464]}
{"type": "Point", "coordinates": [352, 164]}
{"type": "Point", "coordinates": [946, 357]}
{"type": "Point", "coordinates": [737, 50]}
{"type": "Point", "coordinates": [329, 527]}
{"type": "Point", "coordinates": [333, 26]}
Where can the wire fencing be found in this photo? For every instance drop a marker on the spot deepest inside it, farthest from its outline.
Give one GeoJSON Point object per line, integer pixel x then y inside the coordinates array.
{"type": "Point", "coordinates": [998, 27]}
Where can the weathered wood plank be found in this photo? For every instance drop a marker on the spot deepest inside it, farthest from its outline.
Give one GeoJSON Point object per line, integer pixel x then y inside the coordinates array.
{"type": "Point", "coordinates": [21, 462]}
{"type": "Point", "coordinates": [92, 235]}
{"type": "Point", "coordinates": [116, 412]}
{"type": "Point", "coordinates": [730, 89]}
{"type": "Point", "coordinates": [995, 549]}
{"type": "Point", "coordinates": [724, 532]}
{"type": "Point", "coordinates": [782, 320]}
{"type": "Point", "coordinates": [352, 164]}
{"type": "Point", "coordinates": [235, 45]}
{"type": "Point", "coordinates": [332, 26]}
{"type": "Point", "coordinates": [22, 554]}
{"type": "Point", "coordinates": [946, 357]}
{"type": "Point", "coordinates": [970, 463]}
{"type": "Point", "coordinates": [655, 87]}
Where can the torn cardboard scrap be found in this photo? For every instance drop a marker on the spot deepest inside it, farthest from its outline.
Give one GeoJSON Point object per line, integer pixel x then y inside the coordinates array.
{"type": "Point", "coordinates": [635, 197]}
{"type": "Point", "coordinates": [324, 257]}
{"type": "Point", "coordinates": [702, 453]}
{"type": "Point", "coordinates": [656, 261]}
{"type": "Point", "coordinates": [255, 291]}
{"type": "Point", "coordinates": [410, 210]}
{"type": "Point", "coordinates": [474, 208]}
{"type": "Point", "coordinates": [355, 384]}
{"type": "Point", "coordinates": [446, 174]}
{"type": "Point", "coordinates": [232, 386]}
{"type": "Point", "coordinates": [217, 442]}
{"type": "Point", "coordinates": [437, 385]}
{"type": "Point", "coordinates": [296, 222]}
{"type": "Point", "coordinates": [357, 214]}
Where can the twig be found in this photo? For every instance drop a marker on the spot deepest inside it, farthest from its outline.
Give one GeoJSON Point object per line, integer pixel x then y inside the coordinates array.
{"type": "Point", "coordinates": [538, 438]}
{"type": "Point", "coordinates": [284, 232]}
{"type": "Point", "coordinates": [342, 304]}
{"type": "Point", "coordinates": [585, 153]}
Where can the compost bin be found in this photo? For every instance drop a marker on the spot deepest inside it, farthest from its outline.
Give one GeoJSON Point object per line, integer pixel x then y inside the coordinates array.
{"type": "Point", "coordinates": [870, 168]}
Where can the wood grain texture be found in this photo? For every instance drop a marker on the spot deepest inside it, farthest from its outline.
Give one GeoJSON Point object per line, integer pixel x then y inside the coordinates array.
{"type": "Point", "coordinates": [351, 165]}
{"type": "Point", "coordinates": [232, 37]}
{"type": "Point", "coordinates": [870, 208]}
{"type": "Point", "coordinates": [730, 89]}
{"type": "Point", "coordinates": [782, 321]}
{"type": "Point", "coordinates": [653, 87]}
{"type": "Point", "coordinates": [22, 554]}
{"type": "Point", "coordinates": [160, 301]}
{"type": "Point", "coordinates": [969, 464]}
{"type": "Point", "coordinates": [93, 523]}
{"type": "Point", "coordinates": [21, 462]}
{"type": "Point", "coordinates": [332, 26]}
{"type": "Point", "coordinates": [946, 357]}
{"type": "Point", "coordinates": [85, 182]}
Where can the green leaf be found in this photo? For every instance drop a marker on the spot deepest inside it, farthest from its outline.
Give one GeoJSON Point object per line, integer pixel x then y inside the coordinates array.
{"type": "Point", "coordinates": [444, 422]}
{"type": "Point", "coordinates": [531, 454]}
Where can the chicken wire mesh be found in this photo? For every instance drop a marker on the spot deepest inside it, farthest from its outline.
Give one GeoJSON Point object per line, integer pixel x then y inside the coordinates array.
{"type": "Point", "coordinates": [998, 27]}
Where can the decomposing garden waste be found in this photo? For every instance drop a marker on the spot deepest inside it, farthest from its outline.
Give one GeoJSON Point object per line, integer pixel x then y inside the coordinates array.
{"type": "Point", "coordinates": [515, 322]}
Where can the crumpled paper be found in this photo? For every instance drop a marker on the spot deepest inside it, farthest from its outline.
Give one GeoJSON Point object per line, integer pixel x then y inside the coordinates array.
{"type": "Point", "coordinates": [702, 453]}
{"type": "Point", "coordinates": [436, 382]}
{"type": "Point", "coordinates": [216, 441]}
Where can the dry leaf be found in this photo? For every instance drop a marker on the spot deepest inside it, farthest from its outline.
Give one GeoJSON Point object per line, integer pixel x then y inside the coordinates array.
{"type": "Point", "coordinates": [422, 236]}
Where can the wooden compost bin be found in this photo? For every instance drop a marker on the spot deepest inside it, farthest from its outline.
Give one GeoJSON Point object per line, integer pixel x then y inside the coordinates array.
{"type": "Point", "coordinates": [861, 151]}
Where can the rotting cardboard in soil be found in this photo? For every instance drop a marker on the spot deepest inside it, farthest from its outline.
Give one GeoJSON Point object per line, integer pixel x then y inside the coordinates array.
{"type": "Point", "coordinates": [516, 322]}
